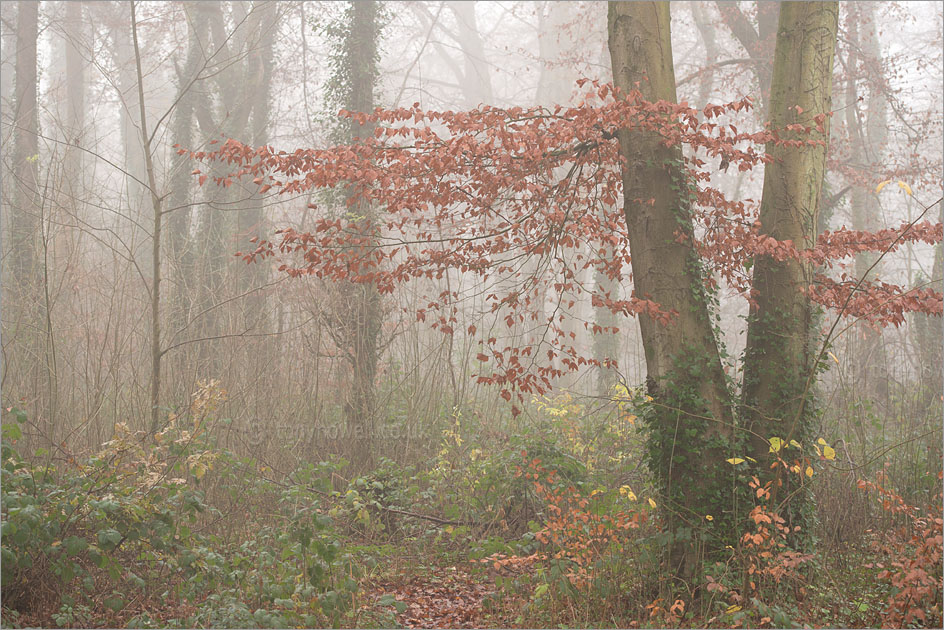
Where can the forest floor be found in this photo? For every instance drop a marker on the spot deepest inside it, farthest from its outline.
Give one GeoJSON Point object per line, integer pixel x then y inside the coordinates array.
{"type": "Point", "coordinates": [490, 536]}
{"type": "Point", "coordinates": [446, 597]}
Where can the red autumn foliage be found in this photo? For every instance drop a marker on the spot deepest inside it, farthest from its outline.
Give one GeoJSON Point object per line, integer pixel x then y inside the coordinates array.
{"type": "Point", "coordinates": [915, 568]}
{"type": "Point", "coordinates": [483, 192]}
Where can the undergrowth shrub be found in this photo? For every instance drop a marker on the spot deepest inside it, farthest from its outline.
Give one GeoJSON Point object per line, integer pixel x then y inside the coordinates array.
{"type": "Point", "coordinates": [130, 531]}
{"type": "Point", "coordinates": [914, 565]}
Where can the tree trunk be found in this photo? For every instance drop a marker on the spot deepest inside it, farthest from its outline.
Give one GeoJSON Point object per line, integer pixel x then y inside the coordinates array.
{"type": "Point", "coordinates": [25, 218]}
{"type": "Point", "coordinates": [157, 224]}
{"type": "Point", "coordinates": [477, 83]}
{"type": "Point", "coordinates": [690, 417]}
{"type": "Point", "coordinates": [778, 370]}
{"type": "Point", "coordinates": [868, 142]}
{"type": "Point", "coordinates": [758, 43]}
{"type": "Point", "coordinates": [264, 21]}
{"type": "Point", "coordinates": [28, 316]}
{"type": "Point", "coordinates": [353, 310]}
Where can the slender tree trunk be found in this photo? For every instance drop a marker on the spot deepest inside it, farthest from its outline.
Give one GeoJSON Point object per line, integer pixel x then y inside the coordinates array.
{"type": "Point", "coordinates": [759, 42]}
{"type": "Point", "coordinates": [777, 396]}
{"type": "Point", "coordinates": [156, 205]}
{"type": "Point", "coordinates": [707, 31]}
{"type": "Point", "coordinates": [868, 139]}
{"type": "Point", "coordinates": [690, 416]}
{"type": "Point", "coordinates": [133, 161]}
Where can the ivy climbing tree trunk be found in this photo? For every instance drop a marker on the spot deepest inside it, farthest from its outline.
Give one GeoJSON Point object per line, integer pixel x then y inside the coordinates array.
{"type": "Point", "coordinates": [353, 311]}
{"type": "Point", "coordinates": [691, 418]}
{"type": "Point", "coordinates": [778, 358]}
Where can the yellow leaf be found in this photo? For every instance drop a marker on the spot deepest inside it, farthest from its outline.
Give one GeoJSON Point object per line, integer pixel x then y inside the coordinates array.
{"type": "Point", "coordinates": [750, 459]}
{"type": "Point", "coordinates": [905, 187]}
{"type": "Point", "coordinates": [651, 502]}
{"type": "Point", "coordinates": [775, 444]}
{"type": "Point", "coordinates": [732, 609]}
{"type": "Point", "coordinates": [833, 357]}
{"type": "Point", "coordinates": [795, 444]}
{"type": "Point", "coordinates": [709, 517]}
{"type": "Point", "coordinates": [882, 185]}
{"type": "Point", "coordinates": [809, 471]}
{"type": "Point", "coordinates": [734, 461]}
{"type": "Point", "coordinates": [829, 452]}
{"type": "Point", "coordinates": [632, 496]}
{"type": "Point", "coordinates": [821, 441]}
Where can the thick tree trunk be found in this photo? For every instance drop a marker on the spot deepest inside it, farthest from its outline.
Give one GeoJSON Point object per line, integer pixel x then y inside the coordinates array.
{"type": "Point", "coordinates": [357, 314]}
{"type": "Point", "coordinates": [180, 248]}
{"type": "Point", "coordinates": [259, 66]}
{"type": "Point", "coordinates": [25, 305]}
{"type": "Point", "coordinates": [777, 396]}
{"type": "Point", "coordinates": [25, 218]}
{"type": "Point", "coordinates": [690, 419]}
{"type": "Point", "coordinates": [477, 83]}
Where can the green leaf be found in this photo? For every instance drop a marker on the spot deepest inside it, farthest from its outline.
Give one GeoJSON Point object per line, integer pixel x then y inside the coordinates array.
{"type": "Point", "coordinates": [115, 603]}
{"type": "Point", "coordinates": [540, 591]}
{"type": "Point", "coordinates": [109, 538]}
{"type": "Point", "coordinates": [74, 545]}
{"type": "Point", "coordinates": [12, 432]}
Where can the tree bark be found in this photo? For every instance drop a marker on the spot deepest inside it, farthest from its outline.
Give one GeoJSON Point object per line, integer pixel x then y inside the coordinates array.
{"type": "Point", "coordinates": [157, 224]}
{"type": "Point", "coordinates": [27, 317]}
{"type": "Point", "coordinates": [179, 243]}
{"type": "Point", "coordinates": [777, 396]}
{"type": "Point", "coordinates": [264, 22]}
{"type": "Point", "coordinates": [477, 80]}
{"type": "Point", "coordinates": [868, 142]}
{"type": "Point", "coordinates": [353, 310]}
{"type": "Point", "coordinates": [25, 218]}
{"type": "Point", "coordinates": [690, 418]}
{"type": "Point", "coordinates": [759, 42]}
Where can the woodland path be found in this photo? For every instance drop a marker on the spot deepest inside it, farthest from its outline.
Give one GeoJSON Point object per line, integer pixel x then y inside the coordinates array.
{"type": "Point", "coordinates": [448, 597]}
